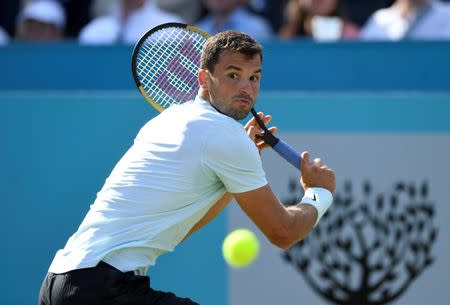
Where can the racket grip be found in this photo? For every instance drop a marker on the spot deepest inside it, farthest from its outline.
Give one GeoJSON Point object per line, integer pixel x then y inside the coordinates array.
{"type": "Point", "coordinates": [288, 153]}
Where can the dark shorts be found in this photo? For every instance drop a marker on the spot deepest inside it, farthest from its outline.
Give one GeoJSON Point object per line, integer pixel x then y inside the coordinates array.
{"type": "Point", "coordinates": [103, 285]}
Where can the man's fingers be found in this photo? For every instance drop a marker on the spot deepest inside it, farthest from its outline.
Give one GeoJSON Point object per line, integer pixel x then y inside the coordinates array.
{"type": "Point", "coordinates": [252, 121]}
{"type": "Point", "coordinates": [273, 129]}
{"type": "Point", "coordinates": [318, 162]}
{"type": "Point", "coordinates": [254, 130]}
{"type": "Point", "coordinates": [251, 131]}
{"type": "Point", "coordinates": [262, 145]}
{"type": "Point", "coordinates": [266, 120]}
{"type": "Point", "coordinates": [305, 159]}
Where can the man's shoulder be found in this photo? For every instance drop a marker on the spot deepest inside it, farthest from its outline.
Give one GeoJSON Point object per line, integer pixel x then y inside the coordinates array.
{"type": "Point", "coordinates": [203, 108]}
{"type": "Point", "coordinates": [199, 114]}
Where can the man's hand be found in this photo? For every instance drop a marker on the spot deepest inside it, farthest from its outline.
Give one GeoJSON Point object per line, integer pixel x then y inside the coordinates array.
{"type": "Point", "coordinates": [316, 174]}
{"type": "Point", "coordinates": [253, 129]}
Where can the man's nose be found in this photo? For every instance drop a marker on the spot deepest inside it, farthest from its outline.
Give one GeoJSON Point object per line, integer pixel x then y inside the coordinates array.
{"type": "Point", "coordinates": [246, 86]}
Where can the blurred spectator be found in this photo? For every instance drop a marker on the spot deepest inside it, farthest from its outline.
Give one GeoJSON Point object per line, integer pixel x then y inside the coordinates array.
{"type": "Point", "coordinates": [317, 18]}
{"type": "Point", "coordinates": [126, 23]}
{"type": "Point", "coordinates": [188, 10]}
{"type": "Point", "coordinates": [409, 19]}
{"type": "Point", "coordinates": [9, 9]}
{"type": "Point", "coordinates": [233, 15]}
{"type": "Point", "coordinates": [4, 38]}
{"type": "Point", "coordinates": [271, 10]}
{"type": "Point", "coordinates": [359, 11]}
{"type": "Point", "coordinates": [78, 15]}
{"type": "Point", "coordinates": [102, 7]}
{"type": "Point", "coordinates": [41, 20]}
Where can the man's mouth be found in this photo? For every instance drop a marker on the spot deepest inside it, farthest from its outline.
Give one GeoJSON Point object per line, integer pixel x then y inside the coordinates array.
{"type": "Point", "coordinates": [244, 100]}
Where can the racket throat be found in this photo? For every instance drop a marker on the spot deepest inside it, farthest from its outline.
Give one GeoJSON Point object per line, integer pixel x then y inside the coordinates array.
{"type": "Point", "coordinates": [267, 136]}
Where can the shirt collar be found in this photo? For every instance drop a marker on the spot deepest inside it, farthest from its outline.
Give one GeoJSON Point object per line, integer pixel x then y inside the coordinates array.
{"type": "Point", "coordinates": [202, 101]}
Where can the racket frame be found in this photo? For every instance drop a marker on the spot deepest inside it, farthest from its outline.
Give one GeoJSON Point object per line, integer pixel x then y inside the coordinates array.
{"type": "Point", "coordinates": [139, 45]}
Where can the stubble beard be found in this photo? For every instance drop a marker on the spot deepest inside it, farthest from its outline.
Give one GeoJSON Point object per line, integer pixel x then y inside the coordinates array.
{"type": "Point", "coordinates": [237, 114]}
{"type": "Point", "coordinates": [227, 108]}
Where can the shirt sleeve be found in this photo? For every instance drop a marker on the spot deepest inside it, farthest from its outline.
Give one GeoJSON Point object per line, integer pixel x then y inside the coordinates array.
{"type": "Point", "coordinates": [231, 156]}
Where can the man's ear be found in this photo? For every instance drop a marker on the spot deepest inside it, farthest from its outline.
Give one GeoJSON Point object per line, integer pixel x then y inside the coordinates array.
{"type": "Point", "coordinates": [203, 78]}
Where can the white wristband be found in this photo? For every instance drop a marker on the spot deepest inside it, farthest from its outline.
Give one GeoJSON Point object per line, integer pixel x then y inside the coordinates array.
{"type": "Point", "coordinates": [319, 198]}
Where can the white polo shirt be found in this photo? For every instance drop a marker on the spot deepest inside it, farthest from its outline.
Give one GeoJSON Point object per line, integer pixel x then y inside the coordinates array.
{"type": "Point", "coordinates": [180, 164]}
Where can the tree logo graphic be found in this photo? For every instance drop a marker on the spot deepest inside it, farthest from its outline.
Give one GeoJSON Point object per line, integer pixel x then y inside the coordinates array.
{"type": "Point", "coordinates": [367, 250]}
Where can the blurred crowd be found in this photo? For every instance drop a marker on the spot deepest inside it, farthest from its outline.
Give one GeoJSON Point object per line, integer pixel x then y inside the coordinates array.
{"type": "Point", "coordinates": [124, 21]}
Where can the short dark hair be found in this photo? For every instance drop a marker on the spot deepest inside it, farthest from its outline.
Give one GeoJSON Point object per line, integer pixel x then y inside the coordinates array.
{"type": "Point", "coordinates": [229, 40]}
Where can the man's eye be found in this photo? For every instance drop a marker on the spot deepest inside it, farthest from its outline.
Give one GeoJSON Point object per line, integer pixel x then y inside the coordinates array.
{"type": "Point", "coordinates": [254, 78]}
{"type": "Point", "coordinates": [232, 75]}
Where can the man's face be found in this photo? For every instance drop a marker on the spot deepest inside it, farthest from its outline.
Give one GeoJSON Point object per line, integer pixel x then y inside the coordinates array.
{"type": "Point", "coordinates": [234, 84]}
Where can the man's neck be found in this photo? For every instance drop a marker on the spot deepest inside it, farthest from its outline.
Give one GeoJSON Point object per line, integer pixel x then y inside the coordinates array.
{"type": "Point", "coordinates": [204, 94]}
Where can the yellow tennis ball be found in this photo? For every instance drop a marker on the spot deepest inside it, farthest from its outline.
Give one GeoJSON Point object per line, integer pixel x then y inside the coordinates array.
{"type": "Point", "coordinates": [240, 248]}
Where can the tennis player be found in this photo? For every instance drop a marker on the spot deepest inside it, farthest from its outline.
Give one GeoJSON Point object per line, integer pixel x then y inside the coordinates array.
{"type": "Point", "coordinates": [184, 167]}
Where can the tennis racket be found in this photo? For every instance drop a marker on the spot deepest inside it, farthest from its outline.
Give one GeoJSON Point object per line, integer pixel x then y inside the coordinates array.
{"type": "Point", "coordinates": [165, 64]}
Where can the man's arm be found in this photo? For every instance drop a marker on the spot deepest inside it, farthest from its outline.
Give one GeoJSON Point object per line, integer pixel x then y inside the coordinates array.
{"type": "Point", "coordinates": [282, 226]}
{"type": "Point", "coordinates": [285, 226]}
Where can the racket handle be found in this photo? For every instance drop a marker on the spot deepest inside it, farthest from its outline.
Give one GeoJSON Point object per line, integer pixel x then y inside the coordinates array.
{"type": "Point", "coordinates": [288, 153]}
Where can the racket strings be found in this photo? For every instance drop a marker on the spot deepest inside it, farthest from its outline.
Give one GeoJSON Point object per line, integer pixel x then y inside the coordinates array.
{"type": "Point", "coordinates": [159, 58]}
{"type": "Point", "coordinates": [188, 75]}
{"type": "Point", "coordinates": [148, 47]}
{"type": "Point", "coordinates": [157, 67]}
{"type": "Point", "coordinates": [181, 76]}
{"type": "Point", "coordinates": [186, 72]}
{"type": "Point", "coordinates": [165, 80]}
{"type": "Point", "coordinates": [167, 65]}
{"type": "Point", "coordinates": [168, 91]}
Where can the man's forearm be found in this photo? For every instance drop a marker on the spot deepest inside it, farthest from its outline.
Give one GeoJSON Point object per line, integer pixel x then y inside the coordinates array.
{"type": "Point", "coordinates": [303, 218]}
